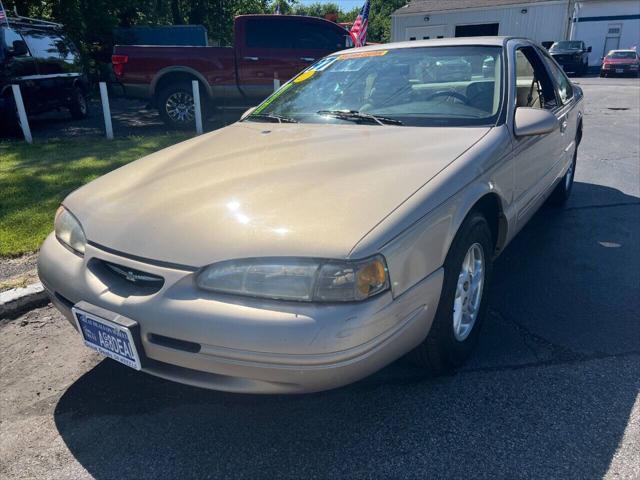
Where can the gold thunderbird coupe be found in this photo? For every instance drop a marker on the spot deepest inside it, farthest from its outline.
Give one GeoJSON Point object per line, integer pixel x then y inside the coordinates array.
{"type": "Point", "coordinates": [351, 218]}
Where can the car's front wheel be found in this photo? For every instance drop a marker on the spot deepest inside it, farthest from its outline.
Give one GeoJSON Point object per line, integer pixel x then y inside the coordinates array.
{"type": "Point", "coordinates": [463, 302]}
{"type": "Point", "coordinates": [562, 192]}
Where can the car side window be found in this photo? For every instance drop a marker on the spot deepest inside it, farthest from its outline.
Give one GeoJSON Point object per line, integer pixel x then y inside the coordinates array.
{"type": "Point", "coordinates": [11, 36]}
{"type": "Point", "coordinates": [48, 46]}
{"type": "Point", "coordinates": [562, 82]}
{"type": "Point", "coordinates": [534, 87]}
{"type": "Point", "coordinates": [268, 34]}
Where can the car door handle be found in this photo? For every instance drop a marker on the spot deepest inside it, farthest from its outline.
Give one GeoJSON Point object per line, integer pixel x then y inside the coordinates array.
{"type": "Point", "coordinates": [563, 126]}
{"type": "Point", "coordinates": [253, 59]}
{"type": "Point", "coordinates": [307, 59]}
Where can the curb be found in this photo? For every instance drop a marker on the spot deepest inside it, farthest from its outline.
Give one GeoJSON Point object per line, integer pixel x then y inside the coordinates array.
{"type": "Point", "coordinates": [18, 300]}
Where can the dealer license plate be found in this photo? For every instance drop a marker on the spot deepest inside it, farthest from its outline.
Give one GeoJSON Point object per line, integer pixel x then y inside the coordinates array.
{"type": "Point", "coordinates": [108, 338]}
{"type": "Point", "coordinates": [619, 70]}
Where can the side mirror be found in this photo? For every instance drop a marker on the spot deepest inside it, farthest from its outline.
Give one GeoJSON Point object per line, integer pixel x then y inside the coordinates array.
{"type": "Point", "coordinates": [247, 113]}
{"type": "Point", "coordinates": [589, 49]}
{"type": "Point", "coordinates": [533, 121]}
{"type": "Point", "coordinates": [19, 48]}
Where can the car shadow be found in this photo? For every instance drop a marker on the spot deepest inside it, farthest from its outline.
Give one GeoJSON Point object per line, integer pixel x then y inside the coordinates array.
{"type": "Point", "coordinates": [548, 392]}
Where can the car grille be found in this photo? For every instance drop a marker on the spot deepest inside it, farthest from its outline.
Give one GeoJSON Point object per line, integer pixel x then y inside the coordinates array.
{"type": "Point", "coordinates": [125, 281]}
{"type": "Point", "coordinates": [563, 58]}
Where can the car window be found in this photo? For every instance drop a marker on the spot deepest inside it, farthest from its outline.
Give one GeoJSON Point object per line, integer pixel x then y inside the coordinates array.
{"type": "Point", "coordinates": [267, 34]}
{"type": "Point", "coordinates": [420, 86]}
{"type": "Point", "coordinates": [562, 82]}
{"type": "Point", "coordinates": [629, 55]}
{"type": "Point", "coordinates": [47, 46]}
{"type": "Point", "coordinates": [317, 36]}
{"type": "Point", "coordinates": [567, 45]}
{"type": "Point", "coordinates": [11, 36]}
{"type": "Point", "coordinates": [534, 87]}
{"type": "Point", "coordinates": [286, 34]}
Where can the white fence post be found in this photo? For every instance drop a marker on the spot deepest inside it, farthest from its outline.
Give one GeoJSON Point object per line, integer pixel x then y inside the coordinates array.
{"type": "Point", "coordinates": [196, 104]}
{"type": "Point", "coordinates": [276, 81]}
{"type": "Point", "coordinates": [106, 111]}
{"type": "Point", "coordinates": [22, 114]}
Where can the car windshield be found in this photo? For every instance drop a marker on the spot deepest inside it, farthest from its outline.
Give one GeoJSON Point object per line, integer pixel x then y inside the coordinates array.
{"type": "Point", "coordinates": [421, 86]}
{"type": "Point", "coordinates": [630, 55]}
{"type": "Point", "coordinates": [568, 45]}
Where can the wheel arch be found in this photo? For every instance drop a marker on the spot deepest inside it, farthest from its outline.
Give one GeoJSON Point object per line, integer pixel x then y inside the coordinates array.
{"type": "Point", "coordinates": [488, 201]}
{"type": "Point", "coordinates": [173, 74]}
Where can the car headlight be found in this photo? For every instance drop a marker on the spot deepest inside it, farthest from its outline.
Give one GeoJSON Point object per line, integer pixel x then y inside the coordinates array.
{"type": "Point", "coordinates": [69, 231]}
{"type": "Point", "coordinates": [300, 279]}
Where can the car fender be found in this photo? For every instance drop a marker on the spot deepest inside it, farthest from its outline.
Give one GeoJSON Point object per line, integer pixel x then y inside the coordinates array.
{"type": "Point", "coordinates": [416, 237]}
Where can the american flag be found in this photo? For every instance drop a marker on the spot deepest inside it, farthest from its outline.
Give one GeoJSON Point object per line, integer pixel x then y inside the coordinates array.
{"type": "Point", "coordinates": [3, 15]}
{"type": "Point", "coordinates": [359, 30]}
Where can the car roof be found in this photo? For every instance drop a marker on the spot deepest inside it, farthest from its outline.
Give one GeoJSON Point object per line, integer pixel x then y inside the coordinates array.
{"type": "Point", "coordinates": [623, 50]}
{"type": "Point", "coordinates": [438, 42]}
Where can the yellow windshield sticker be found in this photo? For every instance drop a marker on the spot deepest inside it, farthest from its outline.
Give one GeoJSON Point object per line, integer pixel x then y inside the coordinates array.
{"type": "Point", "coordinates": [275, 95]}
{"type": "Point", "coordinates": [373, 53]}
{"type": "Point", "coordinates": [307, 74]}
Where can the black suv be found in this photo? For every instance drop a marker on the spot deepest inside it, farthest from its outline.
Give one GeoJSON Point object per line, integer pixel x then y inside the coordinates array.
{"type": "Point", "coordinates": [572, 55]}
{"type": "Point", "coordinates": [39, 57]}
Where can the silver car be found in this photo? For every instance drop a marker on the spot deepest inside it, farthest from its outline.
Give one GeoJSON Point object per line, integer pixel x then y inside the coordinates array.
{"type": "Point", "coordinates": [351, 218]}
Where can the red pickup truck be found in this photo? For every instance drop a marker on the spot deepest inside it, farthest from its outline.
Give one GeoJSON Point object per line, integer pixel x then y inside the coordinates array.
{"type": "Point", "coordinates": [266, 47]}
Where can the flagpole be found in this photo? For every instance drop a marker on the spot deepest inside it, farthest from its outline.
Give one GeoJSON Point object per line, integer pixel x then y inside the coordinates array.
{"type": "Point", "coordinates": [4, 12]}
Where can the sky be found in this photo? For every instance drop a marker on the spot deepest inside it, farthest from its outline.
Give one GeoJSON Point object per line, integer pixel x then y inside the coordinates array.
{"type": "Point", "coordinates": [344, 4]}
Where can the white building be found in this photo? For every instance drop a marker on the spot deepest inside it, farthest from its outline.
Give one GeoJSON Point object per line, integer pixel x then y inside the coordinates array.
{"type": "Point", "coordinates": [602, 24]}
{"type": "Point", "coordinates": [606, 25]}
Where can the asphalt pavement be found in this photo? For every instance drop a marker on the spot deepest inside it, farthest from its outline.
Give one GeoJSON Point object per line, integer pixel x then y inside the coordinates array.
{"type": "Point", "coordinates": [551, 392]}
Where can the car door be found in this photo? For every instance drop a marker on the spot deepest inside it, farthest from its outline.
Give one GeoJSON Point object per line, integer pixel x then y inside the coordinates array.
{"type": "Point", "coordinates": [20, 69]}
{"type": "Point", "coordinates": [534, 156]}
{"type": "Point", "coordinates": [567, 113]}
{"type": "Point", "coordinates": [44, 48]}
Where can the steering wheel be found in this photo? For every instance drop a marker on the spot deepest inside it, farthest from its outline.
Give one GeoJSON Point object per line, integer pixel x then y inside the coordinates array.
{"type": "Point", "coordinates": [449, 93]}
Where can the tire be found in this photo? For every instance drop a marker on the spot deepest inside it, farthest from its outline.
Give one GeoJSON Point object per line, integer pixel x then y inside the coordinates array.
{"type": "Point", "coordinates": [562, 192]}
{"type": "Point", "coordinates": [10, 122]}
{"type": "Point", "coordinates": [79, 107]}
{"type": "Point", "coordinates": [175, 104]}
{"type": "Point", "coordinates": [445, 348]}
{"type": "Point", "coordinates": [602, 74]}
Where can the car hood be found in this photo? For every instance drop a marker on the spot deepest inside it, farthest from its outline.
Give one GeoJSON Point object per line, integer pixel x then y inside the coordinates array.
{"type": "Point", "coordinates": [261, 189]}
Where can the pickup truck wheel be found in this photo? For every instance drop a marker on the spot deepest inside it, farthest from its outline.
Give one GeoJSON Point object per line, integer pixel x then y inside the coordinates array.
{"type": "Point", "coordinates": [78, 107]}
{"type": "Point", "coordinates": [561, 193]}
{"type": "Point", "coordinates": [176, 106]}
{"type": "Point", "coordinates": [463, 301]}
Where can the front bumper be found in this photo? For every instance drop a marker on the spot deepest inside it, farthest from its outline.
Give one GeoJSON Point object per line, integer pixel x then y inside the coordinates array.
{"type": "Point", "coordinates": [624, 69]}
{"type": "Point", "coordinates": [570, 65]}
{"type": "Point", "coordinates": [243, 344]}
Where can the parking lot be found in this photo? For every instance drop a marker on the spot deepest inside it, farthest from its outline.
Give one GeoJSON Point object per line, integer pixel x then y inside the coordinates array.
{"type": "Point", "coordinates": [551, 392]}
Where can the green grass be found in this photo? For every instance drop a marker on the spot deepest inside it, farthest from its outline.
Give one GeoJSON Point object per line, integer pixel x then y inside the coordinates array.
{"type": "Point", "coordinates": [35, 178]}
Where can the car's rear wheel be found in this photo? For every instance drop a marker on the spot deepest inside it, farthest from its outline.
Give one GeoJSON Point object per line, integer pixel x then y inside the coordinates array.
{"type": "Point", "coordinates": [78, 106]}
{"type": "Point", "coordinates": [463, 302]}
{"type": "Point", "coordinates": [562, 192]}
{"type": "Point", "coordinates": [177, 108]}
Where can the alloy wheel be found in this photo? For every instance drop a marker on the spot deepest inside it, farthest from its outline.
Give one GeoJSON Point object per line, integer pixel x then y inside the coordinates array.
{"type": "Point", "coordinates": [180, 107]}
{"type": "Point", "coordinates": [466, 304]}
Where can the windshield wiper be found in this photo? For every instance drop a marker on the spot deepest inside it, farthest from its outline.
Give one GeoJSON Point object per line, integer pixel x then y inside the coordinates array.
{"type": "Point", "coordinates": [356, 116]}
{"type": "Point", "coordinates": [273, 117]}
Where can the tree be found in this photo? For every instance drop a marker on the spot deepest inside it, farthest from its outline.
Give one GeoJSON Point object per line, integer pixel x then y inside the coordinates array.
{"type": "Point", "coordinates": [90, 23]}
